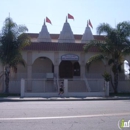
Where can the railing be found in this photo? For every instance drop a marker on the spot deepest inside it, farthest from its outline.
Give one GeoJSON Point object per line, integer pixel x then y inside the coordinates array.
{"type": "Point", "coordinates": [94, 76]}
{"type": "Point", "coordinates": [77, 85]}
{"type": "Point", "coordinates": [96, 85]}
{"type": "Point", "coordinates": [1, 81]}
{"type": "Point", "coordinates": [40, 85]}
{"type": "Point", "coordinates": [72, 87]}
{"type": "Point", "coordinates": [124, 86]}
{"type": "Point", "coordinates": [14, 86]}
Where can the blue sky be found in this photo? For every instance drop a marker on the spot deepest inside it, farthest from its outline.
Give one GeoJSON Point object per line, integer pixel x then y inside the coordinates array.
{"type": "Point", "coordinates": [32, 13]}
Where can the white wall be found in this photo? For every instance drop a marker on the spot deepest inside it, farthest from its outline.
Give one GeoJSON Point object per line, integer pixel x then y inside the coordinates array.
{"type": "Point", "coordinates": [42, 66]}
{"type": "Point", "coordinates": [37, 54]}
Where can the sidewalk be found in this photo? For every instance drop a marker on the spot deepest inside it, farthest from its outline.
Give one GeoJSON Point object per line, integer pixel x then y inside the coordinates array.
{"type": "Point", "coordinates": [60, 98]}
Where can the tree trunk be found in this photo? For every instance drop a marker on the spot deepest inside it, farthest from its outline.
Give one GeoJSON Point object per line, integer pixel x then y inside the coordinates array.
{"type": "Point", "coordinates": [115, 82]}
{"type": "Point", "coordinates": [7, 72]}
{"type": "Point", "coordinates": [116, 77]}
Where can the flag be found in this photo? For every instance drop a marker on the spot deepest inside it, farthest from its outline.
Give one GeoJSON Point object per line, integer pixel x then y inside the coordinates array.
{"type": "Point", "coordinates": [90, 24]}
{"type": "Point", "coordinates": [70, 16]}
{"type": "Point", "coordinates": [48, 20]}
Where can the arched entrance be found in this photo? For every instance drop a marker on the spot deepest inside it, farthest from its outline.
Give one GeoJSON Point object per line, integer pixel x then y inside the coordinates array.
{"type": "Point", "coordinates": [69, 66]}
{"type": "Point", "coordinates": [76, 68]}
{"type": "Point", "coordinates": [41, 67]}
{"type": "Point", "coordinates": [66, 69]}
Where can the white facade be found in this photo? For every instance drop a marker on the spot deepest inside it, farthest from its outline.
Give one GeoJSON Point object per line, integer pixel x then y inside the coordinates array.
{"type": "Point", "coordinates": [46, 67]}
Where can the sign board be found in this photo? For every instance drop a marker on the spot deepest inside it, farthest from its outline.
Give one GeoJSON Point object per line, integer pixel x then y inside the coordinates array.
{"type": "Point", "coordinates": [70, 57]}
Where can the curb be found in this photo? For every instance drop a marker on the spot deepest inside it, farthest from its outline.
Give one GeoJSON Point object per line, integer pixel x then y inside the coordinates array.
{"type": "Point", "coordinates": [62, 99]}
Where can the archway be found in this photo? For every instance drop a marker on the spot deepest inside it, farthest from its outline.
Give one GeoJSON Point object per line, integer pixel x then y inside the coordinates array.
{"type": "Point", "coordinates": [41, 67]}
{"type": "Point", "coordinates": [66, 69]}
{"type": "Point", "coordinates": [126, 69]}
{"type": "Point", "coordinates": [96, 69]}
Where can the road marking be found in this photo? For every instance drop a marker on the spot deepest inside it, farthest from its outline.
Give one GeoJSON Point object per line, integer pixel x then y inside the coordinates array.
{"type": "Point", "coordinates": [64, 117]}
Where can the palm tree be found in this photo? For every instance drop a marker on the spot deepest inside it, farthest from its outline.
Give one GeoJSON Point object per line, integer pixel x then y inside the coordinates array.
{"type": "Point", "coordinates": [113, 49]}
{"type": "Point", "coordinates": [12, 40]}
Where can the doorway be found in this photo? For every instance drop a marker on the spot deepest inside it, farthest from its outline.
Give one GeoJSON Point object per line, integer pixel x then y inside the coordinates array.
{"type": "Point", "coordinates": [66, 69]}
{"type": "Point", "coordinates": [76, 67]}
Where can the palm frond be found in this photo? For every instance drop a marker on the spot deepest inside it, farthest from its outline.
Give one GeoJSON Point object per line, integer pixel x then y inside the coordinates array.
{"type": "Point", "coordinates": [94, 58]}
{"type": "Point", "coordinates": [110, 61]}
{"type": "Point", "coordinates": [89, 45]}
{"type": "Point", "coordinates": [22, 29]}
{"type": "Point", "coordinates": [23, 40]}
{"type": "Point", "coordinates": [126, 50]}
{"type": "Point", "coordinates": [13, 39]}
{"type": "Point", "coordinates": [124, 28]}
{"type": "Point", "coordinates": [119, 67]}
{"type": "Point", "coordinates": [104, 28]}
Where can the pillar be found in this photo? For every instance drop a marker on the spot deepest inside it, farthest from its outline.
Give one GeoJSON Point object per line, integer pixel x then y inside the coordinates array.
{"type": "Point", "coordinates": [82, 65]}
{"type": "Point", "coordinates": [22, 88]}
{"type": "Point", "coordinates": [82, 70]}
{"type": "Point", "coordinates": [65, 87]}
{"type": "Point", "coordinates": [56, 63]}
{"type": "Point", "coordinates": [56, 70]}
{"type": "Point", "coordinates": [29, 71]}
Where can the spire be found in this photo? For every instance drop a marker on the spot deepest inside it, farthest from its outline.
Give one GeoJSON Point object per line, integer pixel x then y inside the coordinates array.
{"type": "Point", "coordinates": [87, 36]}
{"type": "Point", "coordinates": [44, 22]}
{"type": "Point", "coordinates": [66, 20]}
{"type": "Point", "coordinates": [87, 23]}
{"type": "Point", "coordinates": [66, 35]}
{"type": "Point", "coordinates": [44, 35]}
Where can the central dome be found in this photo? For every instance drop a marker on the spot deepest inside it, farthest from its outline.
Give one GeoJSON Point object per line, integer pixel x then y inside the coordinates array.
{"type": "Point", "coordinates": [66, 35]}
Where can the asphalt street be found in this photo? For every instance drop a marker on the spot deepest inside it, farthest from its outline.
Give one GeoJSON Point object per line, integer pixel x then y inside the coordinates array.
{"type": "Point", "coordinates": [64, 115]}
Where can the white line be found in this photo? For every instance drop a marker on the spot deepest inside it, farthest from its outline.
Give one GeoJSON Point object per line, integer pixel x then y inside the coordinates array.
{"type": "Point", "coordinates": [64, 117]}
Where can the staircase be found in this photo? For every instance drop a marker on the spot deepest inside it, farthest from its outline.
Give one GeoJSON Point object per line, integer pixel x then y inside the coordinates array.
{"type": "Point", "coordinates": [77, 86]}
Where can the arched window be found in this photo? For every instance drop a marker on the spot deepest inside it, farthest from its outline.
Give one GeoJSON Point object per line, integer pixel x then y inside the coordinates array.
{"type": "Point", "coordinates": [126, 69]}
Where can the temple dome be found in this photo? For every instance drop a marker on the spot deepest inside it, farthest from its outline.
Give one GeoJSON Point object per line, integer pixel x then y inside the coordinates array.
{"type": "Point", "coordinates": [66, 35]}
{"type": "Point", "coordinates": [44, 35]}
{"type": "Point", "coordinates": [87, 36]}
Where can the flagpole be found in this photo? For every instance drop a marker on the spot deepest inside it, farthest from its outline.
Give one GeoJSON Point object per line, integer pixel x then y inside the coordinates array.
{"type": "Point", "coordinates": [66, 19]}
{"type": "Point", "coordinates": [87, 23]}
{"type": "Point", "coordinates": [44, 21]}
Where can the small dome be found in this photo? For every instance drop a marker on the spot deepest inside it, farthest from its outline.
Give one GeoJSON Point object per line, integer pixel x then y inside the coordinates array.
{"type": "Point", "coordinates": [66, 35]}
{"type": "Point", "coordinates": [87, 36]}
{"type": "Point", "coordinates": [44, 35]}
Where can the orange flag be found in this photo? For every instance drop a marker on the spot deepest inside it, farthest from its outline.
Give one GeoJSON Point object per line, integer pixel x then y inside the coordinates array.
{"type": "Point", "coordinates": [70, 16]}
{"type": "Point", "coordinates": [90, 24]}
{"type": "Point", "coordinates": [48, 20]}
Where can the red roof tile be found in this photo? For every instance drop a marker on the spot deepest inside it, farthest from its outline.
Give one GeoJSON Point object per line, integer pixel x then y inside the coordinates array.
{"type": "Point", "coordinates": [36, 46]}
{"type": "Point", "coordinates": [76, 36]}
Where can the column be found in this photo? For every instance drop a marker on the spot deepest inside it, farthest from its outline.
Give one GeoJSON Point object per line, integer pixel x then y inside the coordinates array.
{"type": "Point", "coordinates": [65, 87]}
{"type": "Point", "coordinates": [56, 70]}
{"type": "Point", "coordinates": [29, 71]}
{"type": "Point", "coordinates": [82, 65]}
{"type": "Point", "coordinates": [82, 70]}
{"type": "Point", "coordinates": [56, 63]}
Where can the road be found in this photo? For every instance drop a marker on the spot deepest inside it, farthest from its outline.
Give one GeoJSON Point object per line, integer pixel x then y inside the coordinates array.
{"type": "Point", "coordinates": [63, 115]}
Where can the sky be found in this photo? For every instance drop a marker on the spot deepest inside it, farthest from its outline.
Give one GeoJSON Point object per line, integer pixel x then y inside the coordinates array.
{"type": "Point", "coordinates": [32, 13]}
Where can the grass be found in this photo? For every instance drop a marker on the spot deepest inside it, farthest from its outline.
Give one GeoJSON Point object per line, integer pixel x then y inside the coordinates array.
{"type": "Point", "coordinates": [18, 95]}
{"type": "Point", "coordinates": [120, 94]}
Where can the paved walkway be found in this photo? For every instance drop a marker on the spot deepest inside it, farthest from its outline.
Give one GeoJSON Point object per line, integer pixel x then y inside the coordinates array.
{"type": "Point", "coordinates": [60, 98]}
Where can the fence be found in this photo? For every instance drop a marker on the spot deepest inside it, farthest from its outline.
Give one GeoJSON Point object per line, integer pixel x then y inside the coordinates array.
{"type": "Point", "coordinates": [72, 87]}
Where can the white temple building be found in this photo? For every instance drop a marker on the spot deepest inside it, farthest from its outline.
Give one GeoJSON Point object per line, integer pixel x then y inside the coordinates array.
{"type": "Point", "coordinates": [52, 58]}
